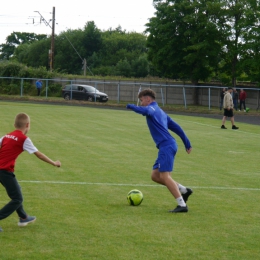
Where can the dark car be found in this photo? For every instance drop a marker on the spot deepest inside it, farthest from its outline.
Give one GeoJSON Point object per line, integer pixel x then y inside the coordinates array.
{"type": "Point", "coordinates": [83, 92]}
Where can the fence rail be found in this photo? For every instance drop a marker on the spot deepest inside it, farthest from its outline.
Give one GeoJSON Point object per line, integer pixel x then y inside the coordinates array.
{"type": "Point", "coordinates": [126, 91]}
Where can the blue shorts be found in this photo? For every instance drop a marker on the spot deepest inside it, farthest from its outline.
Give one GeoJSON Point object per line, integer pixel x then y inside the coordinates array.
{"type": "Point", "coordinates": [165, 160]}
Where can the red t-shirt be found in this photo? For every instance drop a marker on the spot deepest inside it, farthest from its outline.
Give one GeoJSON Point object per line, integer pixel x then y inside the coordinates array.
{"type": "Point", "coordinates": [12, 145]}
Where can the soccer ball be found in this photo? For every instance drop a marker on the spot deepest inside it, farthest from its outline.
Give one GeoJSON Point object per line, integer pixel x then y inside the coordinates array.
{"type": "Point", "coordinates": [135, 197]}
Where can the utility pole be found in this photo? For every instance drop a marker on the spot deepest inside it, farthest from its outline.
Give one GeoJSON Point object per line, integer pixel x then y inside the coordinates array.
{"type": "Point", "coordinates": [84, 66]}
{"type": "Point", "coordinates": [51, 51]}
{"type": "Point", "coordinates": [52, 40]}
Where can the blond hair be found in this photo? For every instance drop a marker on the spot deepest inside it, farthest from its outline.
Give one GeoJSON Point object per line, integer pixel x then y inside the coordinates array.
{"type": "Point", "coordinates": [21, 120]}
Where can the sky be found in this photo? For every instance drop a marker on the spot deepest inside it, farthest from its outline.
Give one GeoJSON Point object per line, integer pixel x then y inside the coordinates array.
{"type": "Point", "coordinates": [25, 16]}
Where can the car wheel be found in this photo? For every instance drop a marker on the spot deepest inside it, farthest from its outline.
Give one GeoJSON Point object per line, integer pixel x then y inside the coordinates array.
{"type": "Point", "coordinates": [90, 99]}
{"type": "Point", "coordinates": [67, 97]}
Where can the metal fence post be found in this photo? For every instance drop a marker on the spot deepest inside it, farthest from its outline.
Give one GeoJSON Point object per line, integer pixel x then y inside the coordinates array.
{"type": "Point", "coordinates": [162, 97]}
{"type": "Point", "coordinates": [140, 89]}
{"type": "Point", "coordinates": [209, 98]}
{"type": "Point", "coordinates": [118, 92]}
{"type": "Point", "coordinates": [71, 89]}
{"type": "Point", "coordinates": [258, 101]}
{"type": "Point", "coordinates": [184, 97]}
{"type": "Point", "coordinates": [46, 90]}
{"type": "Point", "coordinates": [95, 91]}
{"type": "Point", "coordinates": [21, 87]}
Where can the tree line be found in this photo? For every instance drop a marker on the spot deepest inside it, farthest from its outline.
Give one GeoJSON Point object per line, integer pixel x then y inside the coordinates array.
{"type": "Point", "coordinates": [111, 52]}
{"type": "Point", "coordinates": [186, 39]}
{"type": "Point", "coordinates": [201, 39]}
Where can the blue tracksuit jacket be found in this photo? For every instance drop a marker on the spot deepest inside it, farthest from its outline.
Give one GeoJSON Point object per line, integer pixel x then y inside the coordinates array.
{"type": "Point", "coordinates": [159, 123]}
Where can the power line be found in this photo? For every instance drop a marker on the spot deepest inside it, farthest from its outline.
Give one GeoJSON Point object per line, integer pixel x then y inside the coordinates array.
{"type": "Point", "coordinates": [84, 62]}
{"type": "Point", "coordinates": [43, 19]}
{"type": "Point", "coordinates": [51, 52]}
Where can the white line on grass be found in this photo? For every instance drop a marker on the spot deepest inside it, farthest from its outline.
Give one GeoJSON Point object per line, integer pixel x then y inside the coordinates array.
{"type": "Point", "coordinates": [140, 185]}
{"type": "Point", "coordinates": [213, 126]}
{"type": "Point", "coordinates": [197, 123]}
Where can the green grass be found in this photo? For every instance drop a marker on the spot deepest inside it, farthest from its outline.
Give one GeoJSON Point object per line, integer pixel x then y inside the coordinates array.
{"type": "Point", "coordinates": [81, 208]}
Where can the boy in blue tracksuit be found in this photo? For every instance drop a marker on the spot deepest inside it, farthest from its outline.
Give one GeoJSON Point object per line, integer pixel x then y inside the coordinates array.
{"type": "Point", "coordinates": [159, 123]}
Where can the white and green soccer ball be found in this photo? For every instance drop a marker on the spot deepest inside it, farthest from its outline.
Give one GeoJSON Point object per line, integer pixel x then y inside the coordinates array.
{"type": "Point", "coordinates": [135, 197]}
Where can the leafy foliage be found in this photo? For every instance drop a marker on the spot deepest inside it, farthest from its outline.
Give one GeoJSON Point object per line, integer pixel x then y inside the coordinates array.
{"type": "Point", "coordinates": [183, 41]}
{"type": "Point", "coordinates": [140, 66]}
{"type": "Point", "coordinates": [15, 69]}
{"type": "Point", "coordinates": [107, 49]}
{"type": "Point", "coordinates": [15, 39]}
{"type": "Point", "coordinates": [240, 38]}
{"type": "Point", "coordinates": [199, 39]}
{"type": "Point", "coordinates": [186, 39]}
{"type": "Point", "coordinates": [123, 67]}
{"type": "Point", "coordinates": [10, 69]}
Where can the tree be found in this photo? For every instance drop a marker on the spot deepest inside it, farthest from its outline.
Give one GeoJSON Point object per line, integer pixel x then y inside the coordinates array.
{"type": "Point", "coordinates": [102, 49]}
{"type": "Point", "coordinates": [239, 24]}
{"type": "Point", "coordinates": [123, 68]}
{"type": "Point", "coordinates": [190, 39]}
{"type": "Point", "coordinates": [140, 67]}
{"type": "Point", "coordinates": [15, 39]}
{"type": "Point", "coordinates": [68, 52]}
{"type": "Point", "coordinates": [91, 39]}
{"type": "Point", "coordinates": [119, 45]}
{"type": "Point", "coordinates": [73, 46]}
{"type": "Point", "coordinates": [250, 62]}
{"type": "Point", "coordinates": [183, 41]}
{"type": "Point", "coordinates": [34, 54]}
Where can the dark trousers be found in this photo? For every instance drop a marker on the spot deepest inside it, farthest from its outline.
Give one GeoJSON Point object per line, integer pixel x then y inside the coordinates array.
{"type": "Point", "coordinates": [221, 104]}
{"type": "Point", "coordinates": [38, 91]}
{"type": "Point", "coordinates": [235, 104]}
{"type": "Point", "coordinates": [13, 189]}
{"type": "Point", "coordinates": [242, 102]}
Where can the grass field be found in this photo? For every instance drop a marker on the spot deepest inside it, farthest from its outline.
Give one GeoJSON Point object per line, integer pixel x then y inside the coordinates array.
{"type": "Point", "coordinates": [81, 208]}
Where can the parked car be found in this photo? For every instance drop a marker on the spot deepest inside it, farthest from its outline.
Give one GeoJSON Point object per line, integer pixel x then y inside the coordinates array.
{"type": "Point", "coordinates": [83, 92]}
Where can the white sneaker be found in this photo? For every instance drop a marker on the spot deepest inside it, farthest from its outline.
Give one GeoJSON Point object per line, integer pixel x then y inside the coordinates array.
{"type": "Point", "coordinates": [244, 110]}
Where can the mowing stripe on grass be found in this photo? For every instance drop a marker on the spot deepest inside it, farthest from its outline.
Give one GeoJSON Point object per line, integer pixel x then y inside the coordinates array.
{"type": "Point", "coordinates": [141, 185]}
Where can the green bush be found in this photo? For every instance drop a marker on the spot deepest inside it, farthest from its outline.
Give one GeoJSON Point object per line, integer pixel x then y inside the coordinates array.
{"type": "Point", "coordinates": [54, 90]}
{"type": "Point", "coordinates": [13, 89]}
{"type": "Point", "coordinates": [28, 88]}
{"type": "Point", "coordinates": [10, 69]}
{"type": "Point", "coordinates": [103, 70]}
{"type": "Point", "coordinates": [15, 69]}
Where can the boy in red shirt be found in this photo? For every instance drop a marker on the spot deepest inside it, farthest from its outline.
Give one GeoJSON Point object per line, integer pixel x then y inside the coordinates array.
{"type": "Point", "coordinates": [11, 146]}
